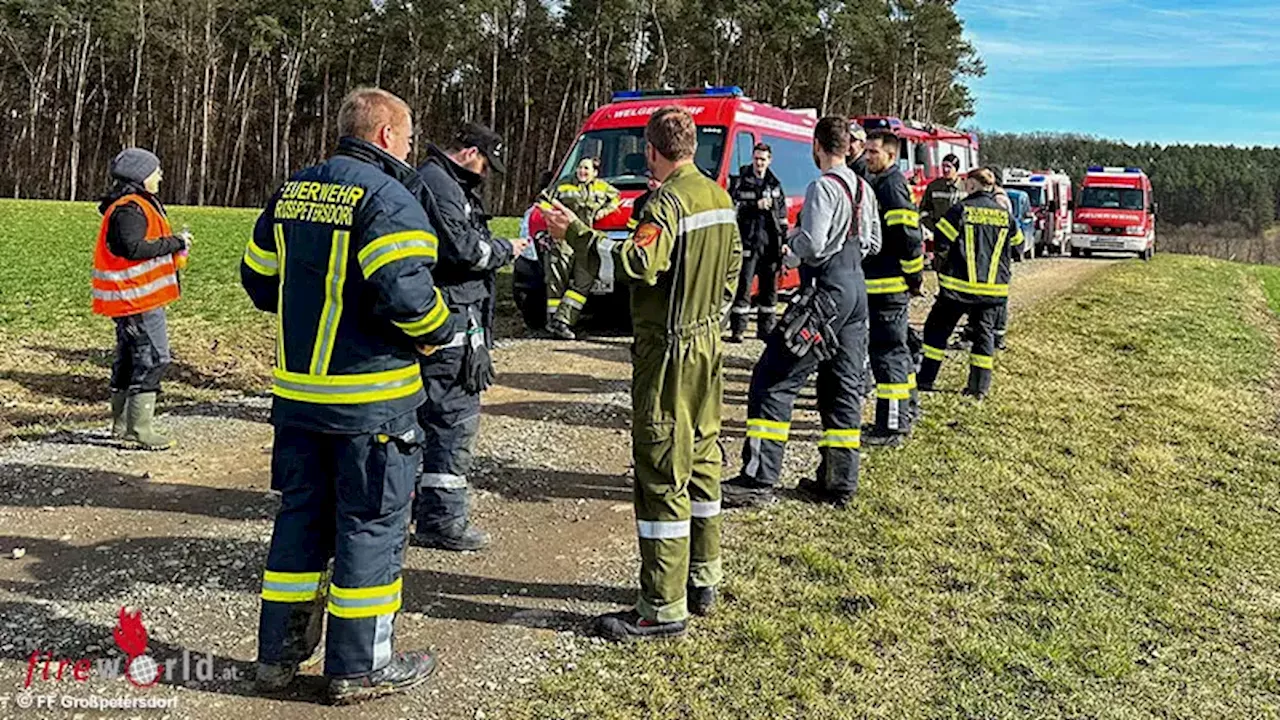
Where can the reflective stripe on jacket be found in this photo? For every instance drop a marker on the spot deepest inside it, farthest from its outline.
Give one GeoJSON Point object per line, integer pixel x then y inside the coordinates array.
{"type": "Point", "coordinates": [128, 287]}
{"type": "Point", "coordinates": [975, 244]}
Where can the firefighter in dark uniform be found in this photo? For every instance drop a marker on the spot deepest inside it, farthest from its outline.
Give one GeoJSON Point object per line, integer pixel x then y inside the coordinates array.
{"type": "Point", "coordinates": [342, 255]}
{"type": "Point", "coordinates": [893, 275]}
{"type": "Point", "coordinates": [857, 161]}
{"type": "Point", "coordinates": [454, 376]}
{"type": "Point", "coordinates": [829, 244]}
{"type": "Point", "coordinates": [943, 192]}
{"type": "Point", "coordinates": [762, 221]}
{"type": "Point", "coordinates": [683, 261]}
{"type": "Point", "coordinates": [974, 251]}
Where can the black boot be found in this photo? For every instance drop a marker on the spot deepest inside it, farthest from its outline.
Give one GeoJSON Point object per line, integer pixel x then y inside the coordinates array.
{"type": "Point", "coordinates": [737, 326]}
{"type": "Point", "coordinates": [628, 626]}
{"type": "Point", "coordinates": [884, 438]}
{"type": "Point", "coordinates": [560, 329]}
{"type": "Point", "coordinates": [303, 649]}
{"type": "Point", "coordinates": [765, 323]}
{"type": "Point", "coordinates": [457, 537]}
{"type": "Point", "coordinates": [701, 600]}
{"type": "Point", "coordinates": [742, 493]}
{"type": "Point", "coordinates": [406, 670]}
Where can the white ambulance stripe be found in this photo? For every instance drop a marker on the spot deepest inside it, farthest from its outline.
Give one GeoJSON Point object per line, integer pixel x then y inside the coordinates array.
{"type": "Point", "coordinates": [662, 529]}
{"type": "Point", "coordinates": [779, 125]}
{"type": "Point", "coordinates": [708, 218]}
{"type": "Point", "coordinates": [708, 509]}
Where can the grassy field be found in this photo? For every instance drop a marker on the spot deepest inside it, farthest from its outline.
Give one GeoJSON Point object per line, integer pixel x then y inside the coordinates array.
{"type": "Point", "coordinates": [57, 353]}
{"type": "Point", "coordinates": [1099, 539]}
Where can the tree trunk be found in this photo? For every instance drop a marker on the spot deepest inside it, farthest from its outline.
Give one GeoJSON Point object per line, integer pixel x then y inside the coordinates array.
{"type": "Point", "coordinates": [77, 113]}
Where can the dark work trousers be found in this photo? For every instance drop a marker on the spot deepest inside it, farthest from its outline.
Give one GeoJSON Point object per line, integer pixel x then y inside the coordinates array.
{"type": "Point", "coordinates": [760, 263]}
{"type": "Point", "coordinates": [344, 497]}
{"type": "Point", "coordinates": [982, 316]}
{"type": "Point", "coordinates": [450, 422]}
{"type": "Point", "coordinates": [891, 363]}
{"type": "Point", "coordinates": [142, 352]}
{"type": "Point", "coordinates": [779, 376]}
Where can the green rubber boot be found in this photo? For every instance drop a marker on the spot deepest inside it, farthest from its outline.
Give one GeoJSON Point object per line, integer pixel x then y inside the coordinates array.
{"type": "Point", "coordinates": [118, 425]}
{"type": "Point", "coordinates": [140, 412]}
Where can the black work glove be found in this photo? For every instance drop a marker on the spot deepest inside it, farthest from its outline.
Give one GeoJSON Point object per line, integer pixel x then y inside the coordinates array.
{"type": "Point", "coordinates": [477, 364]}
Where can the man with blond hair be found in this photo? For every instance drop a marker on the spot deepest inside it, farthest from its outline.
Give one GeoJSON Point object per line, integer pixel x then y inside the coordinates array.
{"type": "Point", "coordinates": [342, 255]}
{"type": "Point", "coordinates": [683, 260]}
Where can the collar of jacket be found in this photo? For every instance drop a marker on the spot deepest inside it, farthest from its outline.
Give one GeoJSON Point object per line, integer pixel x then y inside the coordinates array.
{"type": "Point", "coordinates": [768, 179]}
{"type": "Point", "coordinates": [989, 194]}
{"type": "Point", "coordinates": [464, 177]}
{"type": "Point", "coordinates": [687, 169]}
{"type": "Point", "coordinates": [128, 188]}
{"type": "Point", "coordinates": [366, 151]}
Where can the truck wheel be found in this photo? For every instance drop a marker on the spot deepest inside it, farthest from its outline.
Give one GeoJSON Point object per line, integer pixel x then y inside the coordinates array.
{"type": "Point", "coordinates": [1075, 252]}
{"type": "Point", "coordinates": [1086, 252]}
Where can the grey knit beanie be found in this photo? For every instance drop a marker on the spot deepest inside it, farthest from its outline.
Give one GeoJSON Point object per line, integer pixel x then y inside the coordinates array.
{"type": "Point", "coordinates": [134, 165]}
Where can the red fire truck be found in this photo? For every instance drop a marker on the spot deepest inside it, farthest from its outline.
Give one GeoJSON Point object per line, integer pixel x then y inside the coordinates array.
{"type": "Point", "coordinates": [1116, 212]}
{"type": "Point", "coordinates": [923, 147]}
{"type": "Point", "coordinates": [729, 126]}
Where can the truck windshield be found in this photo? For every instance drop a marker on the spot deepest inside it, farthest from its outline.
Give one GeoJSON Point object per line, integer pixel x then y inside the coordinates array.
{"type": "Point", "coordinates": [621, 153]}
{"type": "Point", "coordinates": [1034, 192]}
{"type": "Point", "coordinates": [1109, 197]}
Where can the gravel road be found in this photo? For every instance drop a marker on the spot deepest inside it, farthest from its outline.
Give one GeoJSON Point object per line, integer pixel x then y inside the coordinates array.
{"type": "Point", "coordinates": [86, 528]}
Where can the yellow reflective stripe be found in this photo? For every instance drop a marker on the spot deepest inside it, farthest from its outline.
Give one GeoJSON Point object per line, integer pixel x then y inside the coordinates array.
{"type": "Point", "coordinates": [914, 265]}
{"type": "Point", "coordinates": [261, 261]}
{"type": "Point", "coordinates": [1018, 238]}
{"type": "Point", "coordinates": [910, 218]}
{"type": "Point", "coordinates": [983, 361]}
{"type": "Point", "coordinates": [348, 389]}
{"type": "Point", "coordinates": [396, 246]}
{"type": "Point", "coordinates": [553, 303]}
{"type": "Point", "coordinates": [985, 289]}
{"type": "Point", "coordinates": [365, 593]}
{"type": "Point", "coordinates": [880, 286]}
{"type": "Point", "coordinates": [278, 230]}
{"type": "Point", "coordinates": [429, 323]}
{"type": "Point", "coordinates": [911, 381]}
{"type": "Point", "coordinates": [934, 353]}
{"type": "Point", "coordinates": [968, 254]}
{"type": "Point", "coordinates": [893, 391]}
{"type": "Point", "coordinates": [841, 439]}
{"type": "Point", "coordinates": [995, 257]}
{"type": "Point", "coordinates": [946, 228]}
{"type": "Point", "coordinates": [768, 429]}
{"type": "Point", "coordinates": [331, 312]}
{"type": "Point", "coordinates": [290, 587]}
{"type": "Point", "coordinates": [576, 296]}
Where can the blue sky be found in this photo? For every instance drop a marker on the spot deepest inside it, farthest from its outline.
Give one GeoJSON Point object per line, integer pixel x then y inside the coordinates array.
{"type": "Point", "coordinates": [1161, 71]}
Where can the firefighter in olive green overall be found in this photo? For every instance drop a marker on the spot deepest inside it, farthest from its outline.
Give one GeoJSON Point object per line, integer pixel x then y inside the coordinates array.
{"type": "Point", "coordinates": [568, 279]}
{"type": "Point", "coordinates": [683, 261]}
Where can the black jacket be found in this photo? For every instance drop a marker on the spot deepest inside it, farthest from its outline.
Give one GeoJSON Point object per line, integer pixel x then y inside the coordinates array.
{"type": "Point", "coordinates": [127, 229]}
{"type": "Point", "coordinates": [899, 265]}
{"type": "Point", "coordinates": [975, 244]}
{"type": "Point", "coordinates": [469, 254]}
{"type": "Point", "coordinates": [760, 229]}
{"type": "Point", "coordinates": [343, 252]}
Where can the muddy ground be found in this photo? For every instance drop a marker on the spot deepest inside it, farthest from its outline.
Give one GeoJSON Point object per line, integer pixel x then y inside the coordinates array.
{"type": "Point", "coordinates": [86, 528]}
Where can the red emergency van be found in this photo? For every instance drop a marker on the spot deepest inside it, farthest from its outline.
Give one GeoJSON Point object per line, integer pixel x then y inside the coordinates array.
{"type": "Point", "coordinates": [1115, 212]}
{"type": "Point", "coordinates": [729, 126]}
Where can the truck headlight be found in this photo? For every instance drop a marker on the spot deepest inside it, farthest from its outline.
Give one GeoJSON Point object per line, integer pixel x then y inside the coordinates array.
{"type": "Point", "coordinates": [1135, 230]}
{"type": "Point", "coordinates": [1079, 228]}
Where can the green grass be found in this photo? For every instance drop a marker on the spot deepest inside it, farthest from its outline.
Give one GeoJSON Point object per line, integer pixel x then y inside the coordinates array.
{"type": "Point", "coordinates": [48, 251]}
{"type": "Point", "coordinates": [1099, 539]}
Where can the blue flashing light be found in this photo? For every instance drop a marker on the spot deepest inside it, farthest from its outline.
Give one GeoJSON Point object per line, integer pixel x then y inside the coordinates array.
{"type": "Point", "coordinates": [1133, 170]}
{"type": "Point", "coordinates": [722, 91]}
{"type": "Point", "coordinates": [1037, 178]}
{"type": "Point", "coordinates": [1095, 168]}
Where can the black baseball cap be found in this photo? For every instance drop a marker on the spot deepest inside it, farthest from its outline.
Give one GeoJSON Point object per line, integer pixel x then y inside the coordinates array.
{"type": "Point", "coordinates": [487, 142]}
{"type": "Point", "coordinates": [952, 160]}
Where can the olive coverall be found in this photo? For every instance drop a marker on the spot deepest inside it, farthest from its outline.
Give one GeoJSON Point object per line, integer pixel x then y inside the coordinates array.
{"type": "Point", "coordinates": [683, 261]}
{"type": "Point", "coordinates": [568, 279]}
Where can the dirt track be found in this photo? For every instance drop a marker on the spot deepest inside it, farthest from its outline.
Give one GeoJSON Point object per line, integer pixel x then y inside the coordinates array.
{"type": "Point", "coordinates": [182, 535]}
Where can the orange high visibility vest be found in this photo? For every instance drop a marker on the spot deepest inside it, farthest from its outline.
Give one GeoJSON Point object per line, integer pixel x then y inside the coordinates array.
{"type": "Point", "coordinates": [128, 287]}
